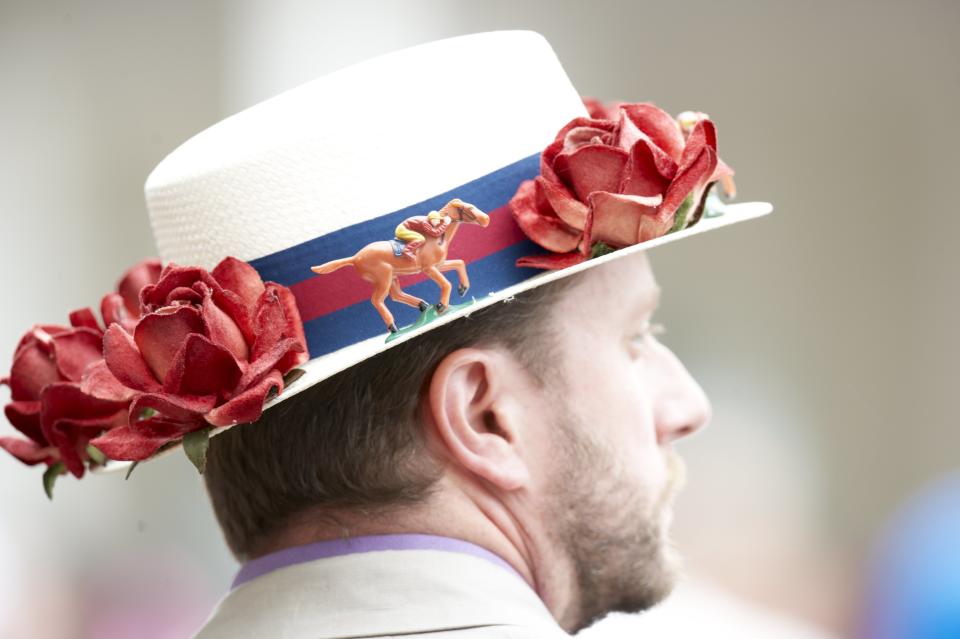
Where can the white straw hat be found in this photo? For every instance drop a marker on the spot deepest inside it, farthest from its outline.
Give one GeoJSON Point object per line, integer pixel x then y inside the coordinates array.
{"type": "Point", "coordinates": [317, 172]}
{"type": "Point", "coordinates": [463, 126]}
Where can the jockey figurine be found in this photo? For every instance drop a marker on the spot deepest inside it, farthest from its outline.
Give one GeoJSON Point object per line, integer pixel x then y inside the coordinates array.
{"type": "Point", "coordinates": [413, 229]}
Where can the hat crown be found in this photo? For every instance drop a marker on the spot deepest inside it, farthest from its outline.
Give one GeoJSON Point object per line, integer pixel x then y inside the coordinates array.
{"type": "Point", "coordinates": [353, 145]}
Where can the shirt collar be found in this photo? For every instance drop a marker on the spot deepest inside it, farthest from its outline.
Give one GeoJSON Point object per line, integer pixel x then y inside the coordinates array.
{"type": "Point", "coordinates": [362, 544]}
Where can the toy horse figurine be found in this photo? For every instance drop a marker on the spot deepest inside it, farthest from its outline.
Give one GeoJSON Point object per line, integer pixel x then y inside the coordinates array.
{"type": "Point", "coordinates": [379, 264]}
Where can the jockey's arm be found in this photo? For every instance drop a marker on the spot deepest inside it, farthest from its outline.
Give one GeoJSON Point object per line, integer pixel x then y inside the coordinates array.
{"type": "Point", "coordinates": [421, 225]}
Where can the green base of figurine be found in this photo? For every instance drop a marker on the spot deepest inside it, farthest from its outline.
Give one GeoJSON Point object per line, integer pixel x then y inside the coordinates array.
{"type": "Point", "coordinates": [426, 317]}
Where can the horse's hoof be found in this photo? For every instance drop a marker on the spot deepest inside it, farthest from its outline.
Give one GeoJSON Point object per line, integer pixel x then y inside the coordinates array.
{"type": "Point", "coordinates": [441, 307]}
{"type": "Point", "coordinates": [423, 306]}
{"type": "Point", "coordinates": [393, 328]}
{"type": "Point", "coordinates": [462, 290]}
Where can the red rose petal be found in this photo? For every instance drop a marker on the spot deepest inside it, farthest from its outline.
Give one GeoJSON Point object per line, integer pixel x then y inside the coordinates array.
{"type": "Point", "coordinates": [547, 158]}
{"type": "Point", "coordinates": [125, 361]}
{"type": "Point", "coordinates": [654, 226]}
{"type": "Point", "coordinates": [582, 136]}
{"type": "Point", "coordinates": [699, 162]}
{"type": "Point", "coordinates": [586, 244]}
{"type": "Point", "coordinates": [126, 444]}
{"type": "Point", "coordinates": [619, 219]}
{"type": "Point", "coordinates": [159, 426]}
{"type": "Point", "coordinates": [248, 406]}
{"type": "Point", "coordinates": [277, 320]}
{"type": "Point", "coordinates": [114, 311]}
{"type": "Point", "coordinates": [241, 278]}
{"type": "Point", "coordinates": [222, 330]}
{"type": "Point", "coordinates": [546, 229]}
{"type": "Point", "coordinates": [592, 168]}
{"type": "Point", "coordinates": [154, 296]}
{"type": "Point", "coordinates": [549, 154]}
{"type": "Point", "coordinates": [69, 418]}
{"type": "Point", "coordinates": [183, 294]}
{"type": "Point", "coordinates": [709, 131]}
{"type": "Point", "coordinates": [552, 261]}
{"type": "Point", "coordinates": [270, 323]}
{"type": "Point", "coordinates": [654, 122]}
{"type": "Point", "coordinates": [33, 368]}
{"type": "Point", "coordinates": [294, 328]}
{"type": "Point", "coordinates": [101, 383]}
{"type": "Point", "coordinates": [645, 174]}
{"type": "Point", "coordinates": [237, 310]}
{"type": "Point", "coordinates": [29, 452]}
{"type": "Point", "coordinates": [270, 360]}
{"type": "Point", "coordinates": [567, 207]}
{"type": "Point", "coordinates": [25, 417]}
{"type": "Point", "coordinates": [74, 350]}
{"type": "Point", "coordinates": [134, 279]}
{"type": "Point", "coordinates": [174, 408]}
{"type": "Point", "coordinates": [39, 336]}
{"type": "Point", "coordinates": [159, 335]}
{"type": "Point", "coordinates": [202, 367]}
{"type": "Point", "coordinates": [607, 126]}
{"type": "Point", "coordinates": [628, 133]}
{"type": "Point", "coordinates": [84, 318]}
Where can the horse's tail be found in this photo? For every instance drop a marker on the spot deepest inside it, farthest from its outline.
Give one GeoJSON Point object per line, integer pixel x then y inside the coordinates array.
{"type": "Point", "coordinates": [333, 265]}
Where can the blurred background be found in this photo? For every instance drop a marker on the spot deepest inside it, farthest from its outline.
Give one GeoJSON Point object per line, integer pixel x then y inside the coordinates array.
{"type": "Point", "coordinates": [821, 499]}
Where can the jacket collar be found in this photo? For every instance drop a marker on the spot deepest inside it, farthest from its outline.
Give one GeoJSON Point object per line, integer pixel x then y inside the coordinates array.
{"type": "Point", "coordinates": [381, 592]}
{"type": "Point", "coordinates": [364, 543]}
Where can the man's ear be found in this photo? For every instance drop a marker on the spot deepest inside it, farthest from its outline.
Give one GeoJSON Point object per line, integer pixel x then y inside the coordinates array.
{"type": "Point", "coordinates": [475, 400]}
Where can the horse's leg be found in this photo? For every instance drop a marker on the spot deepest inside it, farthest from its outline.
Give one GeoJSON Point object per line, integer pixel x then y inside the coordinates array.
{"type": "Point", "coordinates": [373, 265]}
{"type": "Point", "coordinates": [461, 267]}
{"type": "Point", "coordinates": [381, 286]}
{"type": "Point", "coordinates": [445, 287]}
{"type": "Point", "coordinates": [397, 294]}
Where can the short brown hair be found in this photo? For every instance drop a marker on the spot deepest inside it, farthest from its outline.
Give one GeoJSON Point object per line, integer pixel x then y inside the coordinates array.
{"type": "Point", "coordinates": [355, 440]}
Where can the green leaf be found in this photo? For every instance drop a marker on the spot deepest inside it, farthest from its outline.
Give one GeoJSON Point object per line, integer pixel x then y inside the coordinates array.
{"type": "Point", "coordinates": [130, 470]}
{"type": "Point", "coordinates": [50, 478]}
{"type": "Point", "coordinates": [146, 413]}
{"type": "Point", "coordinates": [680, 217]}
{"type": "Point", "coordinates": [599, 248]}
{"type": "Point", "coordinates": [96, 455]}
{"type": "Point", "coordinates": [195, 445]}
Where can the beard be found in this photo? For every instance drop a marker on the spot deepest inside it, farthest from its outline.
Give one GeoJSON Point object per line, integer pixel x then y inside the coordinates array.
{"type": "Point", "coordinates": [612, 531]}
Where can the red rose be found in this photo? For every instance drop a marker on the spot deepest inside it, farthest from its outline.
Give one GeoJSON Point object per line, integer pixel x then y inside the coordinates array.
{"type": "Point", "coordinates": [619, 181]}
{"type": "Point", "coordinates": [47, 404]}
{"type": "Point", "coordinates": [208, 349]}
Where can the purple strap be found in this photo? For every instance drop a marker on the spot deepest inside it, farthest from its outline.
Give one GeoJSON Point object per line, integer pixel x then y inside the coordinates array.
{"type": "Point", "coordinates": [368, 543]}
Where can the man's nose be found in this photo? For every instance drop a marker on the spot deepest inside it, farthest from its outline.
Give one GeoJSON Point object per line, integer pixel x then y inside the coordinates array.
{"type": "Point", "coordinates": [682, 407]}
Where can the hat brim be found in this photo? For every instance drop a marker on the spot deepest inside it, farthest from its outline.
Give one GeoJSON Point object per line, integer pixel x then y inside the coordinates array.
{"type": "Point", "coordinates": [320, 368]}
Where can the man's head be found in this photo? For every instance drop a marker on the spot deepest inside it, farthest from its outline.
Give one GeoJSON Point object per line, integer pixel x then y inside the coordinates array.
{"type": "Point", "coordinates": [620, 401]}
{"type": "Point", "coordinates": [544, 423]}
